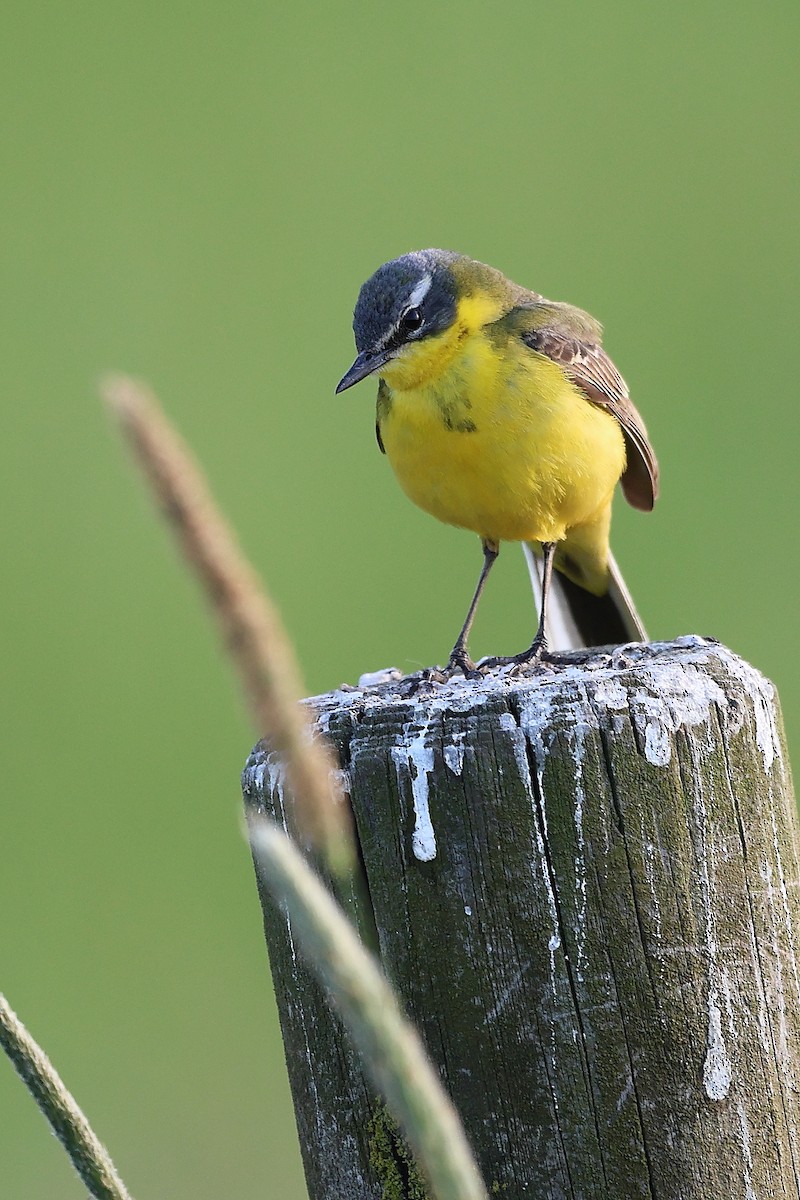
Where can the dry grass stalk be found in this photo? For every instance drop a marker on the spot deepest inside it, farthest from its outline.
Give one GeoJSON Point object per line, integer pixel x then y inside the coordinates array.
{"type": "Point", "coordinates": [250, 624]}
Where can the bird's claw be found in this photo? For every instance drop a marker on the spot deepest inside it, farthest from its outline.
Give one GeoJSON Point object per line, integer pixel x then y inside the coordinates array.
{"type": "Point", "coordinates": [460, 663]}
{"type": "Point", "coordinates": [537, 652]}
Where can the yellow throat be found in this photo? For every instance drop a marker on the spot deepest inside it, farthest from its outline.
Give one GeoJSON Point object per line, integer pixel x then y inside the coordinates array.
{"type": "Point", "coordinates": [488, 435]}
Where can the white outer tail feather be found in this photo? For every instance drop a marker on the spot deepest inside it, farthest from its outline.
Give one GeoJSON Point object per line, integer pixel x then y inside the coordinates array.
{"type": "Point", "coordinates": [618, 590]}
{"type": "Point", "coordinates": [562, 630]}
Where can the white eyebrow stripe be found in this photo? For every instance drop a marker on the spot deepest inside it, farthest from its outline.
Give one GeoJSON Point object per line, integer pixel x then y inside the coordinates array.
{"type": "Point", "coordinates": [420, 291]}
{"type": "Point", "coordinates": [416, 297]}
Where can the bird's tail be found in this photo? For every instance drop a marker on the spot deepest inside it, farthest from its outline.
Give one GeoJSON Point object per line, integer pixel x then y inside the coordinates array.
{"type": "Point", "coordinates": [577, 618]}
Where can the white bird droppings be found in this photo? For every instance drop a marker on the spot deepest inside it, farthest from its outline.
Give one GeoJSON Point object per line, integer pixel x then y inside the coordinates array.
{"type": "Point", "coordinates": [611, 693]}
{"type": "Point", "coordinates": [454, 754]}
{"type": "Point", "coordinates": [372, 679]}
{"type": "Point", "coordinates": [674, 696]}
{"type": "Point", "coordinates": [762, 693]}
{"type": "Point", "coordinates": [717, 1070]}
{"type": "Point", "coordinates": [419, 759]}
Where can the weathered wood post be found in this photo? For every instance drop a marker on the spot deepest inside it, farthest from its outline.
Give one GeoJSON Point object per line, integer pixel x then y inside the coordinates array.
{"type": "Point", "coordinates": [584, 884]}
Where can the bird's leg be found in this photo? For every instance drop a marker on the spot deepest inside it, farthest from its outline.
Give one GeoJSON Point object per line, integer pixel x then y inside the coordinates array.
{"type": "Point", "coordinates": [459, 656]}
{"type": "Point", "coordinates": [538, 646]}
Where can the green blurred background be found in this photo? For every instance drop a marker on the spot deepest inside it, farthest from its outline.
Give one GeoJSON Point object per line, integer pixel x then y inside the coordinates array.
{"type": "Point", "coordinates": [194, 194]}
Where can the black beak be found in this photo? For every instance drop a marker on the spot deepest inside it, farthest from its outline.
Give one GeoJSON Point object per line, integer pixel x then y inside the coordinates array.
{"type": "Point", "coordinates": [366, 364]}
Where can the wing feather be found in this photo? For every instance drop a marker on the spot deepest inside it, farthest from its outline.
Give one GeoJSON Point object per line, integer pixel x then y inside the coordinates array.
{"type": "Point", "coordinates": [586, 363]}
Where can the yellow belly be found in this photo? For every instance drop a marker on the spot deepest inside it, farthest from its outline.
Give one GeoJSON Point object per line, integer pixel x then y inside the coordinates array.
{"type": "Point", "coordinates": [504, 446]}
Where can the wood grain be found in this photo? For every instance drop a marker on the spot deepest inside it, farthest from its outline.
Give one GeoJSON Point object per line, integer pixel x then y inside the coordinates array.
{"type": "Point", "coordinates": [584, 885]}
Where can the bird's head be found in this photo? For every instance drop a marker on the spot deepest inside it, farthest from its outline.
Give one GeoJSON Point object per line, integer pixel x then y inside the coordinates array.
{"type": "Point", "coordinates": [414, 309]}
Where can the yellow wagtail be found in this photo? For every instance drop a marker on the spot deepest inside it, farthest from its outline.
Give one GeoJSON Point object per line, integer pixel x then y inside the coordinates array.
{"type": "Point", "coordinates": [501, 413]}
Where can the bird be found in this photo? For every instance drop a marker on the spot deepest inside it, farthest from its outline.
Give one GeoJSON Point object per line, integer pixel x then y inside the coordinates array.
{"type": "Point", "coordinates": [501, 413]}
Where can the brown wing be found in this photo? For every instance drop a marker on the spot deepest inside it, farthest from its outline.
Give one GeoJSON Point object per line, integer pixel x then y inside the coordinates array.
{"type": "Point", "coordinates": [590, 368]}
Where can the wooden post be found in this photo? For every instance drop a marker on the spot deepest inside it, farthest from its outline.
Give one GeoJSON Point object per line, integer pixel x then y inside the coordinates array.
{"type": "Point", "coordinates": [584, 885]}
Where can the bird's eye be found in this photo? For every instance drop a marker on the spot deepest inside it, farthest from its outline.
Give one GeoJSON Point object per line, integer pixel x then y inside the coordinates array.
{"type": "Point", "coordinates": [411, 319]}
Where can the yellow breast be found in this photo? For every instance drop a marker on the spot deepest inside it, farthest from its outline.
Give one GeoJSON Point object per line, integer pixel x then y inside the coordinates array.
{"type": "Point", "coordinates": [497, 440]}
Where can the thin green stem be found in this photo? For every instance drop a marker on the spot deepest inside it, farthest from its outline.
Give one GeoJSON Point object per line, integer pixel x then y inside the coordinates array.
{"type": "Point", "coordinates": [89, 1157]}
{"type": "Point", "coordinates": [390, 1047]}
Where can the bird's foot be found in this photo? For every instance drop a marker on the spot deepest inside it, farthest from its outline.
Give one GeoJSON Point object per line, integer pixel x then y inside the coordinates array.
{"type": "Point", "coordinates": [536, 653]}
{"type": "Point", "coordinates": [459, 663]}
{"type": "Point", "coordinates": [422, 683]}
